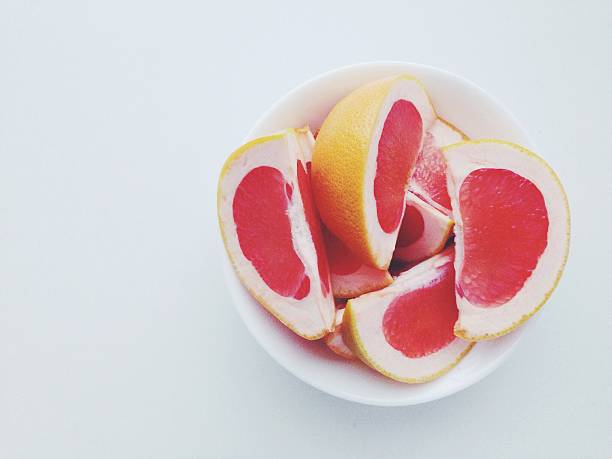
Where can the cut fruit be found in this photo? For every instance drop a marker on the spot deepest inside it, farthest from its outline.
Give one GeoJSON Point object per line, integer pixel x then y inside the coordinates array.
{"type": "Point", "coordinates": [350, 277]}
{"type": "Point", "coordinates": [364, 155]}
{"type": "Point", "coordinates": [334, 340]}
{"type": "Point", "coordinates": [429, 178]}
{"type": "Point", "coordinates": [512, 227]}
{"type": "Point", "coordinates": [405, 331]}
{"type": "Point", "coordinates": [272, 234]}
{"type": "Point", "coordinates": [423, 233]}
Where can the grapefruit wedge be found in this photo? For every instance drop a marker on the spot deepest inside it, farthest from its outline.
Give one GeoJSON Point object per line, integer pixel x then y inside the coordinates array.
{"type": "Point", "coordinates": [363, 158]}
{"type": "Point", "coordinates": [350, 277]}
{"type": "Point", "coordinates": [334, 340]}
{"type": "Point", "coordinates": [512, 227]}
{"type": "Point", "coordinates": [424, 231]}
{"type": "Point", "coordinates": [405, 331]}
{"type": "Point", "coordinates": [427, 225]}
{"type": "Point", "coordinates": [272, 233]}
{"type": "Point", "coordinates": [429, 178]}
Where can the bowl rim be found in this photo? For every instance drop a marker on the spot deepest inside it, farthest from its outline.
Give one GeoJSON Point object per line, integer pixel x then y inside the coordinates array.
{"type": "Point", "coordinates": [304, 376]}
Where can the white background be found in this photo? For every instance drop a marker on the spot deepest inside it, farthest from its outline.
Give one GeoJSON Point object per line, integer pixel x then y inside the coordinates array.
{"type": "Point", "coordinates": [117, 336]}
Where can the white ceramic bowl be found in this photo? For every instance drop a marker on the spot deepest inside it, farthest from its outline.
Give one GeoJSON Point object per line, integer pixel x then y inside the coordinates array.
{"type": "Point", "coordinates": [463, 104]}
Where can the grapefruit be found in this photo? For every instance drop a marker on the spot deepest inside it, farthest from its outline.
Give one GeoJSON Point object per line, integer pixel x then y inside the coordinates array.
{"type": "Point", "coordinates": [423, 232]}
{"type": "Point", "coordinates": [350, 277]}
{"type": "Point", "coordinates": [405, 331]}
{"type": "Point", "coordinates": [363, 158]}
{"type": "Point", "coordinates": [334, 340]}
{"type": "Point", "coordinates": [512, 227]}
{"type": "Point", "coordinates": [429, 178]}
{"type": "Point", "coordinates": [272, 234]}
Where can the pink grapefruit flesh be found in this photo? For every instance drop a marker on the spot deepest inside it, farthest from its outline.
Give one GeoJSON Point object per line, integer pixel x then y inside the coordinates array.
{"type": "Point", "coordinates": [261, 198]}
{"type": "Point", "coordinates": [505, 232]}
{"type": "Point", "coordinates": [421, 321]}
{"type": "Point", "coordinates": [412, 227]}
{"type": "Point", "coordinates": [398, 148]}
{"type": "Point", "coordinates": [429, 178]}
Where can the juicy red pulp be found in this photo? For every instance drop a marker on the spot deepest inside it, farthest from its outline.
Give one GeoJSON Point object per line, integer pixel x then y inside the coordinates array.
{"type": "Point", "coordinates": [412, 227]}
{"type": "Point", "coordinates": [429, 178]}
{"type": "Point", "coordinates": [398, 148]}
{"type": "Point", "coordinates": [505, 231]}
{"type": "Point", "coordinates": [341, 259]}
{"type": "Point", "coordinates": [264, 231]}
{"type": "Point", "coordinates": [420, 322]}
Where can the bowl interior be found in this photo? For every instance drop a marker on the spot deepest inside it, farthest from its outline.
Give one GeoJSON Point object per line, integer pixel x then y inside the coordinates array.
{"type": "Point", "coordinates": [458, 101]}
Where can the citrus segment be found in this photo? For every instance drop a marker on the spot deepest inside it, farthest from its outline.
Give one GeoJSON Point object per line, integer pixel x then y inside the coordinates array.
{"type": "Point", "coordinates": [511, 234]}
{"type": "Point", "coordinates": [405, 331]}
{"type": "Point", "coordinates": [272, 234]}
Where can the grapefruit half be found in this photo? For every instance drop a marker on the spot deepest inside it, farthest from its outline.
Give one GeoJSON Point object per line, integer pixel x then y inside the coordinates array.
{"type": "Point", "coordinates": [363, 158]}
{"type": "Point", "coordinates": [512, 227]}
{"type": "Point", "coordinates": [405, 331]}
{"type": "Point", "coordinates": [272, 234]}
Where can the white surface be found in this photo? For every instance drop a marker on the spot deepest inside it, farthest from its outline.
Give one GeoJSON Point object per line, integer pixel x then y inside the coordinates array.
{"type": "Point", "coordinates": [117, 337]}
{"type": "Point", "coordinates": [458, 101]}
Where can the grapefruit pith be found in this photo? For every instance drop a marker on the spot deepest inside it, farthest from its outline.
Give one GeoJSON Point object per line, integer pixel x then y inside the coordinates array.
{"type": "Point", "coordinates": [335, 341]}
{"type": "Point", "coordinates": [363, 158]}
{"type": "Point", "coordinates": [272, 233]}
{"type": "Point", "coordinates": [405, 331]}
{"type": "Point", "coordinates": [512, 228]}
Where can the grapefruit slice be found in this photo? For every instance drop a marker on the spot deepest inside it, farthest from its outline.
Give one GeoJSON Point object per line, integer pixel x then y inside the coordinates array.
{"type": "Point", "coordinates": [334, 340]}
{"type": "Point", "coordinates": [363, 158]}
{"type": "Point", "coordinates": [405, 331]}
{"type": "Point", "coordinates": [272, 234]}
{"type": "Point", "coordinates": [512, 227]}
{"type": "Point", "coordinates": [429, 178]}
{"type": "Point", "coordinates": [350, 277]}
{"type": "Point", "coordinates": [424, 231]}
